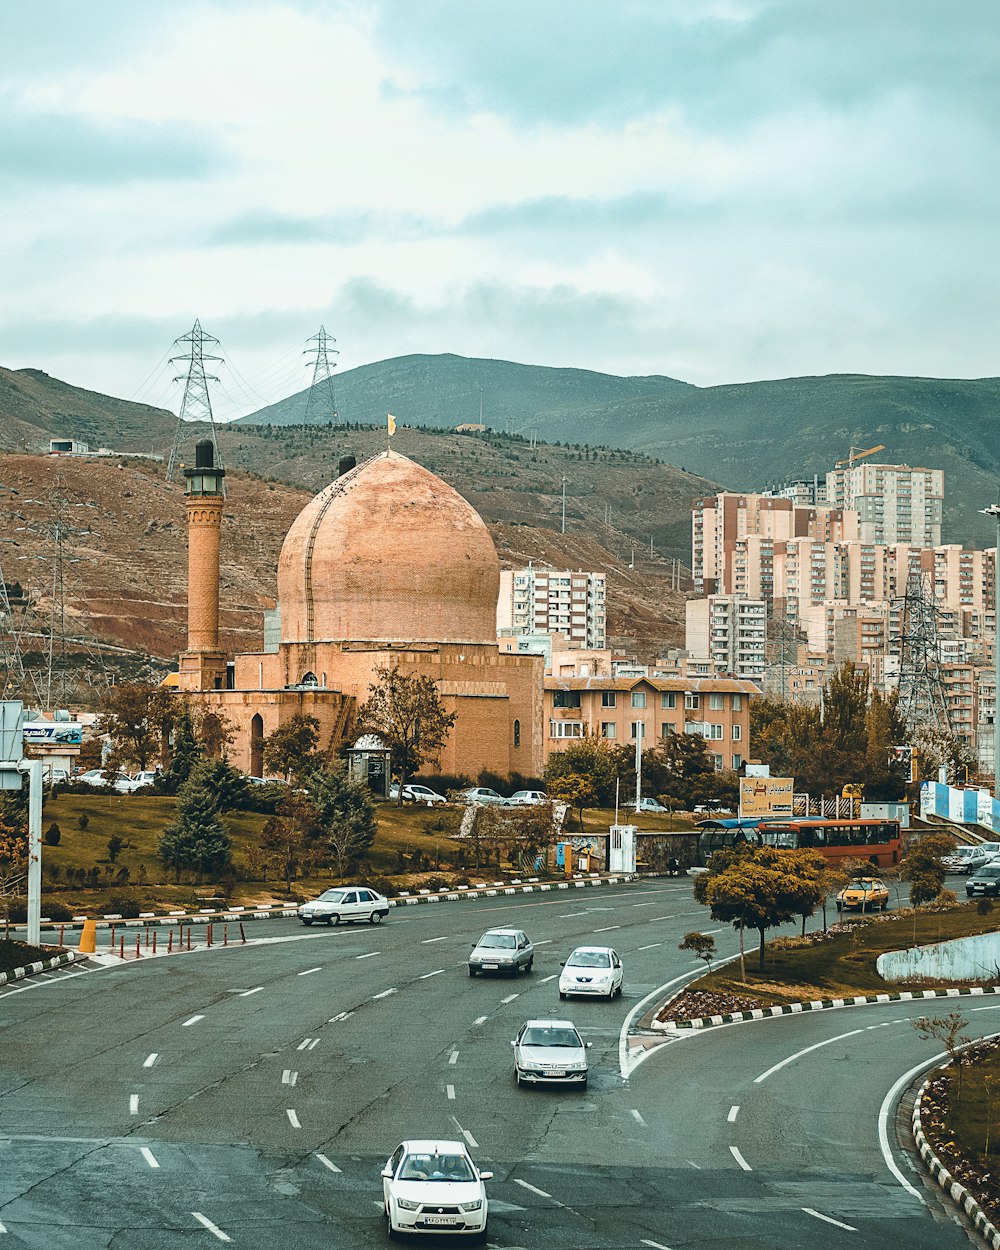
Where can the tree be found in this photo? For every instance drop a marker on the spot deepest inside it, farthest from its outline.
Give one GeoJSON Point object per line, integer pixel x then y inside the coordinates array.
{"type": "Point", "coordinates": [285, 845]}
{"type": "Point", "coordinates": [406, 712]}
{"type": "Point", "coordinates": [13, 866]}
{"type": "Point", "coordinates": [115, 845]}
{"type": "Point", "coordinates": [228, 784]}
{"type": "Point", "coordinates": [185, 753]}
{"type": "Point", "coordinates": [197, 839]}
{"type": "Point", "coordinates": [215, 733]}
{"type": "Point", "coordinates": [291, 747]}
{"type": "Point", "coordinates": [700, 944]}
{"type": "Point", "coordinates": [576, 789]}
{"type": "Point", "coordinates": [924, 869]}
{"type": "Point", "coordinates": [602, 764]}
{"type": "Point", "coordinates": [341, 813]}
{"type": "Point", "coordinates": [947, 1030]}
{"type": "Point", "coordinates": [137, 717]}
{"type": "Point", "coordinates": [680, 766]}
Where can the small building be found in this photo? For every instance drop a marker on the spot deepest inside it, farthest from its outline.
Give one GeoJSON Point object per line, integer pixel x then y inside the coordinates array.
{"type": "Point", "coordinates": [67, 447]}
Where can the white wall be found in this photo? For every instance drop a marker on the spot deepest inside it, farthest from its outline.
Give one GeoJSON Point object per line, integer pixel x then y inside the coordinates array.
{"type": "Point", "coordinates": [962, 959]}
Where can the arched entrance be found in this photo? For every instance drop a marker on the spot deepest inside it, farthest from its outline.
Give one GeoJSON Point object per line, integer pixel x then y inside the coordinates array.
{"type": "Point", "coordinates": [257, 746]}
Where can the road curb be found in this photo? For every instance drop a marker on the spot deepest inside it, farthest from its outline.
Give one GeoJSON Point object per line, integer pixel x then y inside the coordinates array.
{"type": "Point", "coordinates": [40, 965]}
{"type": "Point", "coordinates": [279, 910]}
{"type": "Point", "coordinates": [821, 1004]}
{"type": "Point", "coordinates": [957, 1192]}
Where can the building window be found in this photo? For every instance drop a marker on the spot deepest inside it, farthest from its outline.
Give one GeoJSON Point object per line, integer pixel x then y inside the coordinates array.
{"type": "Point", "coordinates": [609, 698]}
{"type": "Point", "coordinates": [737, 762]}
{"type": "Point", "coordinates": [666, 729]}
{"type": "Point", "coordinates": [716, 702]}
{"type": "Point", "coordinates": [692, 701]}
{"type": "Point", "coordinates": [636, 729]}
{"type": "Point", "coordinates": [565, 729]}
{"type": "Point", "coordinates": [718, 763]}
{"type": "Point", "coordinates": [609, 729]}
{"type": "Point", "coordinates": [638, 698]}
{"type": "Point", "coordinates": [566, 698]}
{"type": "Point", "coordinates": [714, 731]}
{"type": "Point", "coordinates": [737, 732]}
{"type": "Point", "coordinates": [668, 699]}
{"type": "Point", "coordinates": [517, 733]}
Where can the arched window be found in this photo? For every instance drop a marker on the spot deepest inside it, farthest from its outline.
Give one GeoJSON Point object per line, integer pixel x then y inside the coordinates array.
{"type": "Point", "coordinates": [517, 733]}
{"type": "Point", "coordinates": [309, 679]}
{"type": "Point", "coordinates": [257, 746]}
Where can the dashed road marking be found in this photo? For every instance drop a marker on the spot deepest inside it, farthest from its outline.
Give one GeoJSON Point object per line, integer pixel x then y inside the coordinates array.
{"type": "Point", "coordinates": [607, 928]}
{"type": "Point", "coordinates": [308, 1043]}
{"type": "Point", "coordinates": [549, 978]}
{"type": "Point", "coordinates": [653, 904]}
{"type": "Point", "coordinates": [733, 1113]}
{"type": "Point", "coordinates": [466, 1134]}
{"type": "Point", "coordinates": [150, 1060]}
{"type": "Point", "coordinates": [212, 1228]}
{"type": "Point", "coordinates": [428, 941]}
{"type": "Point", "coordinates": [256, 990]}
{"type": "Point", "coordinates": [370, 955]}
{"type": "Point", "coordinates": [425, 976]}
{"type": "Point", "coordinates": [637, 1117]}
{"type": "Point", "coordinates": [308, 971]}
{"type": "Point", "coordinates": [534, 1188]}
{"type": "Point", "coordinates": [341, 1015]}
{"type": "Point", "coordinates": [654, 1245]}
{"type": "Point", "coordinates": [570, 914]}
{"type": "Point", "coordinates": [479, 1020]}
{"type": "Point", "coordinates": [510, 998]}
{"type": "Point", "coordinates": [133, 1104]}
{"type": "Point", "coordinates": [384, 994]}
{"type": "Point", "coordinates": [187, 1024]}
{"type": "Point", "coordinates": [450, 1089]}
{"type": "Point", "coordinates": [651, 946]}
{"type": "Point", "coordinates": [735, 1152]}
{"type": "Point", "coordinates": [148, 1155]}
{"type": "Point", "coordinates": [293, 1119]}
{"type": "Point", "coordinates": [545, 942]}
{"type": "Point", "coordinates": [828, 1219]}
{"type": "Point", "coordinates": [288, 1077]}
{"type": "Point", "coordinates": [453, 1057]}
{"type": "Point", "coordinates": [327, 1163]}
{"type": "Point", "coordinates": [696, 1166]}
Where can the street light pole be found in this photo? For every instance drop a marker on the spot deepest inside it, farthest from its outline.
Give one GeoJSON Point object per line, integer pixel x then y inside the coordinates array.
{"type": "Point", "coordinates": [994, 512]}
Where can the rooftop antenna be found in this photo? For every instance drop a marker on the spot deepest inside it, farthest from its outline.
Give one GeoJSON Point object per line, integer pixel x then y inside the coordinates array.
{"type": "Point", "coordinates": [196, 404]}
{"type": "Point", "coordinates": [321, 401]}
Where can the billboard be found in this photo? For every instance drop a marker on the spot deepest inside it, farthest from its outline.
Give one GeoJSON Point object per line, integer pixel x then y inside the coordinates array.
{"type": "Point", "coordinates": [766, 796]}
{"type": "Point", "coordinates": [47, 733]}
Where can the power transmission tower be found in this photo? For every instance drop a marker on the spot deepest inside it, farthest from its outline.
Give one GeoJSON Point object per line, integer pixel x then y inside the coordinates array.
{"type": "Point", "coordinates": [321, 401]}
{"type": "Point", "coordinates": [922, 704]}
{"type": "Point", "coordinates": [196, 405]}
{"type": "Point", "coordinates": [782, 646]}
{"type": "Point", "coordinates": [11, 658]}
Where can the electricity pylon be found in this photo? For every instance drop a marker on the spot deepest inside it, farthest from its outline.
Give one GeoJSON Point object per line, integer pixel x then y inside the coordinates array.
{"type": "Point", "coordinates": [196, 404]}
{"type": "Point", "coordinates": [321, 401]}
{"type": "Point", "coordinates": [922, 703]}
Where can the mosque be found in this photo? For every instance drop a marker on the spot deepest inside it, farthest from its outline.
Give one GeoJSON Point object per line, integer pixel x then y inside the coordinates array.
{"type": "Point", "coordinates": [388, 566]}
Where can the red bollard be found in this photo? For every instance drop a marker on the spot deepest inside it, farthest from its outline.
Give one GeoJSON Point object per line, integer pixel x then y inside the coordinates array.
{"type": "Point", "coordinates": [243, 936]}
{"type": "Point", "coordinates": [111, 944]}
{"type": "Point", "coordinates": [170, 942]}
{"type": "Point", "coordinates": [138, 940]}
{"type": "Point", "coordinates": [189, 937]}
{"type": "Point", "coordinates": [61, 927]}
{"type": "Point", "coordinates": [147, 939]}
{"type": "Point", "coordinates": [208, 935]}
{"type": "Point", "coordinates": [225, 935]}
{"type": "Point", "coordinates": [154, 941]}
{"type": "Point", "coordinates": [122, 952]}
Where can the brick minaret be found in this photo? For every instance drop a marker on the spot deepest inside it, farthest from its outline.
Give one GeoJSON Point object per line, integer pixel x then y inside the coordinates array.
{"type": "Point", "coordinates": [203, 665]}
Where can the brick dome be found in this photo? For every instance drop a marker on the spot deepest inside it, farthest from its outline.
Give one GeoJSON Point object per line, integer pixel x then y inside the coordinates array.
{"type": "Point", "coordinates": [388, 553]}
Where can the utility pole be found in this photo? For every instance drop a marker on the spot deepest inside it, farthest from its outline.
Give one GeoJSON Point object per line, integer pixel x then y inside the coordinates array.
{"type": "Point", "coordinates": [564, 504]}
{"type": "Point", "coordinates": [994, 512]}
{"type": "Point", "coordinates": [196, 404]}
{"type": "Point", "coordinates": [320, 401]}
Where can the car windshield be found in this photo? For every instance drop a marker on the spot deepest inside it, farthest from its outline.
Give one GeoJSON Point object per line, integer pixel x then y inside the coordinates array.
{"type": "Point", "coordinates": [589, 959]}
{"type": "Point", "coordinates": [425, 1167]}
{"type": "Point", "coordinates": [542, 1036]}
{"type": "Point", "coordinates": [989, 872]}
{"type": "Point", "coordinates": [331, 896]}
{"type": "Point", "coordinates": [504, 940]}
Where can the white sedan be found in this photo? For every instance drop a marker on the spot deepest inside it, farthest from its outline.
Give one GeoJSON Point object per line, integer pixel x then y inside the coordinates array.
{"type": "Point", "coordinates": [550, 1052]}
{"type": "Point", "coordinates": [431, 1186]}
{"type": "Point", "coordinates": [592, 970]}
{"type": "Point", "coordinates": [347, 903]}
{"type": "Point", "coordinates": [415, 793]}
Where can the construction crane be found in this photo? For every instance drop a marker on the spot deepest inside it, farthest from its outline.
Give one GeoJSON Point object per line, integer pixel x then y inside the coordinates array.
{"type": "Point", "coordinates": [856, 453]}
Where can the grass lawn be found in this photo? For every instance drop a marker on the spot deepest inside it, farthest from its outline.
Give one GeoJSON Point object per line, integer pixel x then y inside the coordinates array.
{"type": "Point", "coordinates": [843, 964]}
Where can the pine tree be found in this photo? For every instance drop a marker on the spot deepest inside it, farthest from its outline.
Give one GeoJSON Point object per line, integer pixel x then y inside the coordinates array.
{"type": "Point", "coordinates": [185, 755]}
{"type": "Point", "coordinates": [197, 839]}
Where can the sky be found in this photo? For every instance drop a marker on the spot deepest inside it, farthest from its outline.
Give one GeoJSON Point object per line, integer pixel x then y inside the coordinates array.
{"type": "Point", "coordinates": [714, 190]}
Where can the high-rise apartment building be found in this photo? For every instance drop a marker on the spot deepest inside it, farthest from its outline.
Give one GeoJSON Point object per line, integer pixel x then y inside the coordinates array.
{"type": "Point", "coordinates": [543, 600]}
{"type": "Point", "coordinates": [730, 632]}
{"type": "Point", "coordinates": [894, 503]}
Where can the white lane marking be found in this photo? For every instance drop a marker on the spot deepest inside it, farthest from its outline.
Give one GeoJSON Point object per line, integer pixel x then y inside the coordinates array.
{"type": "Point", "coordinates": [534, 1188]}
{"type": "Point", "coordinates": [308, 1043]}
{"type": "Point", "coordinates": [451, 1092]}
{"type": "Point", "coordinates": [735, 1152]}
{"type": "Point", "coordinates": [427, 941]}
{"type": "Point", "coordinates": [148, 1155]}
{"type": "Point", "coordinates": [293, 1119]}
{"type": "Point", "coordinates": [150, 1060]}
{"type": "Point", "coordinates": [545, 942]}
{"type": "Point", "coordinates": [479, 1020]}
{"type": "Point", "coordinates": [466, 1134]}
{"type": "Point", "coordinates": [608, 928]}
{"type": "Point", "coordinates": [384, 994]}
{"type": "Point", "coordinates": [829, 1219]}
{"type": "Point", "coordinates": [570, 914]}
{"type": "Point", "coordinates": [696, 1166]}
{"type": "Point", "coordinates": [549, 978]}
{"type": "Point", "coordinates": [733, 1113]}
{"type": "Point", "coordinates": [655, 1245]}
{"type": "Point", "coordinates": [370, 955]}
{"type": "Point", "coordinates": [805, 1051]}
{"type": "Point", "coordinates": [653, 919]}
{"type": "Point", "coordinates": [288, 1077]}
{"type": "Point", "coordinates": [453, 1057]}
{"type": "Point", "coordinates": [133, 1104]}
{"type": "Point", "coordinates": [312, 1045]}
{"type": "Point", "coordinates": [883, 1123]}
{"type": "Point", "coordinates": [653, 904]}
{"type": "Point", "coordinates": [212, 1228]}
{"type": "Point", "coordinates": [3, 1227]}
{"type": "Point", "coordinates": [256, 990]}
{"type": "Point", "coordinates": [510, 998]}
{"type": "Point", "coordinates": [194, 1020]}
{"type": "Point", "coordinates": [425, 976]}
{"type": "Point", "coordinates": [638, 1118]}
{"type": "Point", "coordinates": [341, 1015]}
{"type": "Point", "coordinates": [327, 1164]}
{"type": "Point", "coordinates": [308, 970]}
{"type": "Point", "coordinates": [708, 931]}
{"type": "Point", "coordinates": [651, 947]}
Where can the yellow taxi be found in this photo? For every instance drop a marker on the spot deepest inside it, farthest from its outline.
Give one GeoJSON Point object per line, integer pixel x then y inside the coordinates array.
{"type": "Point", "coordinates": [865, 895]}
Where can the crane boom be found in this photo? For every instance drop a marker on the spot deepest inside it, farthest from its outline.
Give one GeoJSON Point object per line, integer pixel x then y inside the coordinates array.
{"type": "Point", "coordinates": [856, 453]}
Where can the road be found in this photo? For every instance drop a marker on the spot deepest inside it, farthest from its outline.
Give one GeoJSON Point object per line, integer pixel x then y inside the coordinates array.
{"type": "Point", "coordinates": [250, 1095]}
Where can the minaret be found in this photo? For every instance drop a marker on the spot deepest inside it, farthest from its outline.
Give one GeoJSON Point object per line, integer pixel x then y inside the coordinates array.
{"type": "Point", "coordinates": [203, 664]}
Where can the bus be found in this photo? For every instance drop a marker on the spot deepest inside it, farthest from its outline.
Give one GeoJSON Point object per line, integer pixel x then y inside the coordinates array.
{"type": "Point", "coordinates": [878, 841]}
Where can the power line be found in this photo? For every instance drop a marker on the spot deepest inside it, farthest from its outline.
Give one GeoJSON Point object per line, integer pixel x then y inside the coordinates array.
{"type": "Point", "coordinates": [196, 404]}
{"type": "Point", "coordinates": [321, 401]}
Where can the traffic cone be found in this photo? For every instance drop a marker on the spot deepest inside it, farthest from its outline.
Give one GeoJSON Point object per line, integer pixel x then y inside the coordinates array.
{"type": "Point", "coordinates": [88, 938]}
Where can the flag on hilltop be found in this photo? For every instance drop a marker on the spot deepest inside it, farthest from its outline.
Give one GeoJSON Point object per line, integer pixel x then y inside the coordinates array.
{"type": "Point", "coordinates": [392, 424]}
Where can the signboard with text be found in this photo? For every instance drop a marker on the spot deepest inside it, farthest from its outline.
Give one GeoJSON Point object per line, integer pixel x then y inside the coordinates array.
{"type": "Point", "coordinates": [766, 796]}
{"type": "Point", "coordinates": [53, 733]}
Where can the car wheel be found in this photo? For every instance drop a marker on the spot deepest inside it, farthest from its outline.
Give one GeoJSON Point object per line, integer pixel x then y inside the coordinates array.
{"type": "Point", "coordinates": [562, 993]}
{"type": "Point", "coordinates": [517, 1077]}
{"type": "Point", "coordinates": [389, 1230]}
{"type": "Point", "coordinates": [329, 920]}
{"type": "Point", "coordinates": [306, 919]}
{"type": "Point", "coordinates": [334, 918]}
{"type": "Point", "coordinates": [375, 918]}
{"type": "Point", "coordinates": [472, 971]}
{"type": "Point", "coordinates": [478, 1239]}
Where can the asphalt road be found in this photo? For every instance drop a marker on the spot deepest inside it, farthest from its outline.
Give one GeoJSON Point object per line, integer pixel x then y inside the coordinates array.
{"type": "Point", "coordinates": [251, 1095]}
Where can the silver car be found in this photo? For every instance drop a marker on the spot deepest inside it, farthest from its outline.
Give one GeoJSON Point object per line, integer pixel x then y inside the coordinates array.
{"type": "Point", "coordinates": [550, 1052]}
{"type": "Point", "coordinates": [348, 903]}
{"type": "Point", "coordinates": [502, 950]}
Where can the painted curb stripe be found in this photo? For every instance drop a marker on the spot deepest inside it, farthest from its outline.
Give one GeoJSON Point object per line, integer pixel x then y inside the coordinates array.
{"type": "Point", "coordinates": [42, 965]}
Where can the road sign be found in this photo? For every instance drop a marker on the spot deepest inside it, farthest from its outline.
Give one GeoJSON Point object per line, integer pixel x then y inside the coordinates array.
{"type": "Point", "coordinates": [766, 796]}
{"type": "Point", "coordinates": [11, 743]}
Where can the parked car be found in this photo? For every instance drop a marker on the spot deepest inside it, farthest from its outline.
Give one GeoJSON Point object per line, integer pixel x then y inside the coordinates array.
{"type": "Point", "coordinates": [109, 778]}
{"type": "Point", "coordinates": [415, 793]}
{"type": "Point", "coordinates": [431, 1186]}
{"type": "Point", "coordinates": [550, 1052]}
{"type": "Point", "coordinates": [347, 903]}
{"type": "Point", "coordinates": [267, 781]}
{"type": "Point", "coordinates": [712, 809]}
{"type": "Point", "coordinates": [592, 970]}
{"type": "Point", "coordinates": [502, 950]}
{"type": "Point", "coordinates": [966, 859]}
{"type": "Point", "coordinates": [867, 894]}
{"type": "Point", "coordinates": [985, 880]}
{"type": "Point", "coordinates": [149, 777]}
{"type": "Point", "coordinates": [527, 798]}
{"type": "Point", "coordinates": [480, 794]}
{"type": "Point", "coordinates": [648, 805]}
{"type": "Point", "coordinates": [94, 777]}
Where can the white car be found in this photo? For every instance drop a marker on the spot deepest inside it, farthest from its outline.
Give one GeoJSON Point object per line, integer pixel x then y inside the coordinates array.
{"type": "Point", "coordinates": [417, 794]}
{"type": "Point", "coordinates": [550, 1052]}
{"type": "Point", "coordinates": [148, 778]}
{"type": "Point", "coordinates": [431, 1186]}
{"type": "Point", "coordinates": [527, 798]}
{"type": "Point", "coordinates": [481, 794]}
{"type": "Point", "coordinates": [592, 970]}
{"type": "Point", "coordinates": [649, 805]}
{"type": "Point", "coordinates": [109, 778]}
{"type": "Point", "coordinates": [347, 903]}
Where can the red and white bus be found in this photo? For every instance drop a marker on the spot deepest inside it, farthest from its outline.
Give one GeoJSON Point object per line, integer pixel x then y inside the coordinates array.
{"type": "Point", "coordinates": [878, 841]}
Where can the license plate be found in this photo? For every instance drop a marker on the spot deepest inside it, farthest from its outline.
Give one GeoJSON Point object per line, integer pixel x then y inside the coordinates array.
{"type": "Point", "coordinates": [491, 967]}
{"type": "Point", "coordinates": [551, 1074]}
{"type": "Point", "coordinates": [439, 1219]}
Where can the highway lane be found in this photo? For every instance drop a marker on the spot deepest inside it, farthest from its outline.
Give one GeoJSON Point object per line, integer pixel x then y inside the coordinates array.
{"type": "Point", "coordinates": [261, 1088]}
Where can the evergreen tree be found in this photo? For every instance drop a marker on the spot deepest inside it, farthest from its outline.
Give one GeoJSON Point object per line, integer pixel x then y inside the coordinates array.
{"type": "Point", "coordinates": [291, 748]}
{"type": "Point", "coordinates": [196, 840]}
{"type": "Point", "coordinates": [220, 778]}
{"type": "Point", "coordinates": [342, 814]}
{"type": "Point", "coordinates": [185, 755]}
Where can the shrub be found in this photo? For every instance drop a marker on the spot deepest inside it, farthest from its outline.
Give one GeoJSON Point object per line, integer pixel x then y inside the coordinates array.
{"type": "Point", "coordinates": [17, 910]}
{"type": "Point", "coordinates": [436, 882]}
{"type": "Point", "coordinates": [383, 884]}
{"type": "Point", "coordinates": [57, 911]}
{"type": "Point", "coordinates": [83, 820]}
{"type": "Point", "coordinates": [122, 905]}
{"type": "Point", "coordinates": [114, 846]}
{"type": "Point", "coordinates": [53, 835]}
